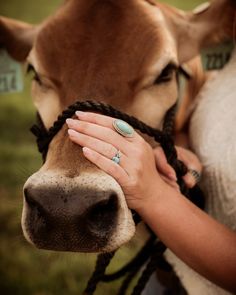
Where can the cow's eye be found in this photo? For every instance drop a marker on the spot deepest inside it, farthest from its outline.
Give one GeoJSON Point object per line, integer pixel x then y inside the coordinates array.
{"type": "Point", "coordinates": [35, 75]}
{"type": "Point", "coordinates": [167, 74]}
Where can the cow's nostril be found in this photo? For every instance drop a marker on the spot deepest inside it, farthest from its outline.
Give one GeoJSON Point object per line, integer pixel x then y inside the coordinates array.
{"type": "Point", "coordinates": [28, 198]}
{"type": "Point", "coordinates": [34, 205]}
{"type": "Point", "coordinates": [102, 216]}
{"type": "Point", "coordinates": [88, 217]}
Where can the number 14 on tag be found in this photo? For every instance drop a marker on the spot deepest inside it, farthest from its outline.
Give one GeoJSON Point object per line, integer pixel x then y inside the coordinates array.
{"type": "Point", "coordinates": [11, 79]}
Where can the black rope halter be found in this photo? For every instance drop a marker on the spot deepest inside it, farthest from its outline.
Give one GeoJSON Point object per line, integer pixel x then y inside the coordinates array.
{"type": "Point", "coordinates": [44, 136]}
{"type": "Point", "coordinates": [152, 252]}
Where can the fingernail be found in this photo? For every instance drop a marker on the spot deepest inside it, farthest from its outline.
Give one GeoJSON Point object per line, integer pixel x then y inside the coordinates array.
{"type": "Point", "coordinates": [72, 132]}
{"type": "Point", "coordinates": [86, 150]}
{"type": "Point", "coordinates": [172, 176]}
{"type": "Point", "coordinates": [79, 113]}
{"type": "Point", "coordinates": [70, 122]}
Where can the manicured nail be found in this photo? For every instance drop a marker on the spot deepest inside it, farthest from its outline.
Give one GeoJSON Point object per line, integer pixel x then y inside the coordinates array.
{"type": "Point", "coordinates": [79, 113]}
{"type": "Point", "coordinates": [172, 176]}
{"type": "Point", "coordinates": [72, 132]}
{"type": "Point", "coordinates": [86, 150]}
{"type": "Point", "coordinates": [70, 122]}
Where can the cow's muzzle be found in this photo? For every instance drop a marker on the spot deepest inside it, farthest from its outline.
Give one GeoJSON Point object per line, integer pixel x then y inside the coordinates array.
{"type": "Point", "coordinates": [76, 218]}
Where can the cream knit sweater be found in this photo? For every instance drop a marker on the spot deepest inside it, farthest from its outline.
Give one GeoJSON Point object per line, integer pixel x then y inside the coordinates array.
{"type": "Point", "coordinates": [213, 138]}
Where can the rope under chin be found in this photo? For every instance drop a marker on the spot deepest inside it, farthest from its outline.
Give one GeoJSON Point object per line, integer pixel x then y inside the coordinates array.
{"type": "Point", "coordinates": [152, 252]}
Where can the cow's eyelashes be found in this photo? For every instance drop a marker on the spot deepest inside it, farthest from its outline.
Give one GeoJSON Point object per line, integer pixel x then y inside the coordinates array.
{"type": "Point", "coordinates": [36, 77]}
{"type": "Point", "coordinates": [167, 74]}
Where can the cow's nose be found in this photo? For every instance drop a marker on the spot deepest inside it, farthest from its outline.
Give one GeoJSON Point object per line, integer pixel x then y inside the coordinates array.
{"type": "Point", "coordinates": [59, 220]}
{"type": "Point", "coordinates": [99, 217]}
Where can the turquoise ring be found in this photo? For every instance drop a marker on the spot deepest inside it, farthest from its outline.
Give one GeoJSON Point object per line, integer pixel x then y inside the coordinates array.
{"type": "Point", "coordinates": [117, 157]}
{"type": "Point", "coordinates": [123, 128]}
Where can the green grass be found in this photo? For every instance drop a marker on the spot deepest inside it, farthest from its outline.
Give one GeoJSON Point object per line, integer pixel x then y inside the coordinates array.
{"type": "Point", "coordinates": [25, 270]}
{"type": "Point", "coordinates": [184, 4]}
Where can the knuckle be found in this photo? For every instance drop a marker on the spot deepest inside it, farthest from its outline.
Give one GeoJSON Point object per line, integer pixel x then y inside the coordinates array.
{"type": "Point", "coordinates": [109, 150]}
{"type": "Point", "coordinates": [113, 169]}
{"type": "Point", "coordinates": [142, 143]}
{"type": "Point", "coordinates": [134, 183]}
{"type": "Point", "coordinates": [139, 152]}
{"type": "Point", "coordinates": [88, 140]}
{"type": "Point", "coordinates": [189, 158]}
{"type": "Point", "coordinates": [158, 151]}
{"type": "Point", "coordinates": [139, 156]}
{"type": "Point", "coordinates": [82, 127]}
{"type": "Point", "coordinates": [93, 118]}
{"type": "Point", "coordinates": [199, 165]}
{"type": "Point", "coordinates": [134, 150]}
{"type": "Point", "coordinates": [194, 158]}
{"type": "Point", "coordinates": [96, 157]}
{"type": "Point", "coordinates": [110, 133]}
{"type": "Point", "coordinates": [138, 171]}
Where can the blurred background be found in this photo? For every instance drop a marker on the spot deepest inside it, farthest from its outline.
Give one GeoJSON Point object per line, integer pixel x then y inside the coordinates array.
{"type": "Point", "coordinates": [25, 270]}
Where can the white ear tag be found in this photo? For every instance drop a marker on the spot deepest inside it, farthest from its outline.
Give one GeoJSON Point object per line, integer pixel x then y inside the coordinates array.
{"type": "Point", "coordinates": [216, 57]}
{"type": "Point", "coordinates": [11, 79]}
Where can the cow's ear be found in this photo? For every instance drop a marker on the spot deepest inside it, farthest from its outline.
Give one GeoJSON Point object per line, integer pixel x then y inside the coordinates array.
{"type": "Point", "coordinates": [17, 37]}
{"type": "Point", "coordinates": [207, 25]}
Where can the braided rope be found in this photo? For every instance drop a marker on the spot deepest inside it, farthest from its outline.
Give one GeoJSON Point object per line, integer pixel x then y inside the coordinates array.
{"type": "Point", "coordinates": [44, 137]}
{"type": "Point", "coordinates": [140, 258]}
{"type": "Point", "coordinates": [150, 268]}
{"type": "Point", "coordinates": [168, 125]}
{"type": "Point", "coordinates": [127, 281]}
{"type": "Point", "coordinates": [103, 261]}
{"type": "Point", "coordinates": [105, 109]}
{"type": "Point", "coordinates": [157, 261]}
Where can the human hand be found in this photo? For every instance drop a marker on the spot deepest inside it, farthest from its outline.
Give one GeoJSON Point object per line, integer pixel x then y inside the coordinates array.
{"type": "Point", "coordinates": [136, 173]}
{"type": "Point", "coordinates": [187, 157]}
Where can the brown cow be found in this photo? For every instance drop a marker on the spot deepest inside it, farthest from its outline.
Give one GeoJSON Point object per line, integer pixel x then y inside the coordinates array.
{"type": "Point", "coordinates": [123, 52]}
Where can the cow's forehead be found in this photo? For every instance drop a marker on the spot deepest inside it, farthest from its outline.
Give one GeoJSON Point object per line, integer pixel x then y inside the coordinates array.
{"type": "Point", "coordinates": [101, 41]}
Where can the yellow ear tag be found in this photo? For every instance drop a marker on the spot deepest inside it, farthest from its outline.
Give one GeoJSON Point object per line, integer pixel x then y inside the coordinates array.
{"type": "Point", "coordinates": [202, 8]}
{"type": "Point", "coordinates": [11, 79]}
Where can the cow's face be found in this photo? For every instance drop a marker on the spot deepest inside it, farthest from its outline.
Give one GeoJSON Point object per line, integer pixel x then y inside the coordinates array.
{"type": "Point", "coordinates": [121, 52]}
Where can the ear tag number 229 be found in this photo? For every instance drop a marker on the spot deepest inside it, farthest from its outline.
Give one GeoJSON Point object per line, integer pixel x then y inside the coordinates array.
{"type": "Point", "coordinates": [216, 57]}
{"type": "Point", "coordinates": [11, 79]}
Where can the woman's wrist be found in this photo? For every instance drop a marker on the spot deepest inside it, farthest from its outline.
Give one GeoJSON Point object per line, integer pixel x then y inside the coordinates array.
{"type": "Point", "coordinates": [159, 197]}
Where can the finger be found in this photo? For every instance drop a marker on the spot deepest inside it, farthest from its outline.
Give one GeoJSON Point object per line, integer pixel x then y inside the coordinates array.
{"type": "Point", "coordinates": [162, 164]}
{"type": "Point", "coordinates": [172, 183]}
{"type": "Point", "coordinates": [102, 133]}
{"type": "Point", "coordinates": [189, 159]}
{"type": "Point", "coordinates": [101, 120]}
{"type": "Point", "coordinates": [101, 147]}
{"type": "Point", "coordinates": [189, 180]}
{"type": "Point", "coordinates": [95, 118]}
{"type": "Point", "coordinates": [108, 166]}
